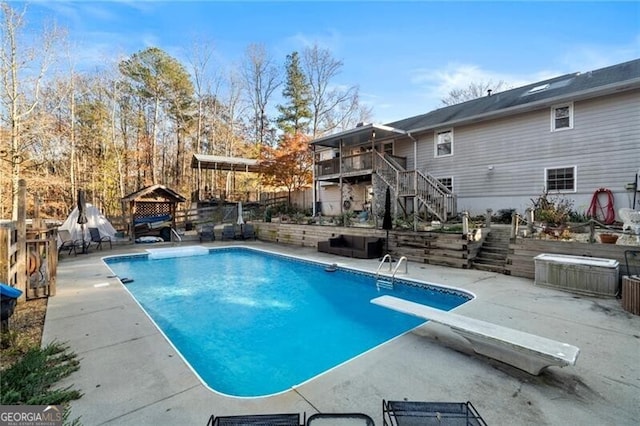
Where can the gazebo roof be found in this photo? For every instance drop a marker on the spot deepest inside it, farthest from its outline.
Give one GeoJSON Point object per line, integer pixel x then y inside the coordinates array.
{"type": "Point", "coordinates": [155, 193]}
{"type": "Point", "coordinates": [218, 162]}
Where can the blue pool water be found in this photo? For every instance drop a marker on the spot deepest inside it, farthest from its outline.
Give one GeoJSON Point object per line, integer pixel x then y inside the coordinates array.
{"type": "Point", "coordinates": [253, 323]}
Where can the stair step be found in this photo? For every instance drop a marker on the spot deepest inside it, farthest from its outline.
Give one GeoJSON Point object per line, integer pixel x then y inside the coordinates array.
{"type": "Point", "coordinates": [491, 256]}
{"type": "Point", "coordinates": [384, 284]}
{"type": "Point", "coordinates": [489, 268]}
{"type": "Point", "coordinates": [495, 250]}
{"type": "Point", "coordinates": [490, 260]}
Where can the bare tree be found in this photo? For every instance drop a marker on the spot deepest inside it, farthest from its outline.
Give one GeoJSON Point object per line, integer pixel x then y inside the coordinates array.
{"type": "Point", "coordinates": [200, 62]}
{"type": "Point", "coordinates": [261, 78]}
{"type": "Point", "coordinates": [22, 69]}
{"type": "Point", "coordinates": [473, 91]}
{"type": "Point", "coordinates": [332, 107]}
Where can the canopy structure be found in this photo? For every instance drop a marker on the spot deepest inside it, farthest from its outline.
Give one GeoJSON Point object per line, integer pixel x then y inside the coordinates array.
{"type": "Point", "coordinates": [95, 219]}
{"type": "Point", "coordinates": [213, 163]}
{"type": "Point", "coordinates": [217, 162]}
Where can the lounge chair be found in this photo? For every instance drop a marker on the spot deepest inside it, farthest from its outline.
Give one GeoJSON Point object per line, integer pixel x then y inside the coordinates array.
{"type": "Point", "coordinates": [228, 232]}
{"type": "Point", "coordinates": [630, 218]}
{"type": "Point", "coordinates": [207, 233]}
{"type": "Point", "coordinates": [248, 231]}
{"type": "Point", "coordinates": [430, 413]}
{"type": "Point", "coordinates": [97, 239]}
{"type": "Point", "coordinates": [68, 243]}
{"type": "Point", "coordinates": [256, 420]}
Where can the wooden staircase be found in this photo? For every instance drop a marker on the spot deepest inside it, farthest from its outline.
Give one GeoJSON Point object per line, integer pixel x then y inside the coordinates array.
{"type": "Point", "coordinates": [429, 192]}
{"type": "Point", "coordinates": [493, 254]}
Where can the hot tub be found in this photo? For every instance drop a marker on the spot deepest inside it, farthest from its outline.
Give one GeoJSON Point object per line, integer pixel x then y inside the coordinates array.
{"type": "Point", "coordinates": [578, 274]}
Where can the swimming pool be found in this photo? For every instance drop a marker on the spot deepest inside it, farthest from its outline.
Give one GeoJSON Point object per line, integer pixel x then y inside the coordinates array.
{"type": "Point", "coordinates": [254, 323]}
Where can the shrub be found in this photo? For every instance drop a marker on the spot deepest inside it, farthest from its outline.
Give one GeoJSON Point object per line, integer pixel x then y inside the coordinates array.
{"type": "Point", "coordinates": [30, 380]}
{"type": "Point", "coordinates": [550, 209]}
{"type": "Point", "coordinates": [503, 216]}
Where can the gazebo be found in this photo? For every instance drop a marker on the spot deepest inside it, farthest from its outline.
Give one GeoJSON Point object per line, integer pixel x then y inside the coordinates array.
{"type": "Point", "coordinates": [152, 208]}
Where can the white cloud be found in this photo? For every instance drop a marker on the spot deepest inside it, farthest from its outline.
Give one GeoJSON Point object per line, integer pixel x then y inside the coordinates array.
{"type": "Point", "coordinates": [435, 85]}
{"type": "Point", "coordinates": [331, 40]}
{"type": "Point", "coordinates": [591, 57]}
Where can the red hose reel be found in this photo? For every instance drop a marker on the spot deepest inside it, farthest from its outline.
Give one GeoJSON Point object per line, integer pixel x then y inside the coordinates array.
{"type": "Point", "coordinates": [604, 213]}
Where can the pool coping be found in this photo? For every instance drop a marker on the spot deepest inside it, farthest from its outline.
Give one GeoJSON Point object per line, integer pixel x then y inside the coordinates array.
{"type": "Point", "coordinates": [470, 296]}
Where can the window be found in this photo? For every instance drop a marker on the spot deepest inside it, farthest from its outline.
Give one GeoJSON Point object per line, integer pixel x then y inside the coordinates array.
{"type": "Point", "coordinates": [561, 179]}
{"type": "Point", "coordinates": [447, 182]}
{"type": "Point", "coordinates": [562, 117]}
{"type": "Point", "coordinates": [444, 143]}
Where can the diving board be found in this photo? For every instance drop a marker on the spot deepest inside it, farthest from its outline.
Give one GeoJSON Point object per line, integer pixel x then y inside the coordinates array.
{"type": "Point", "coordinates": [525, 351]}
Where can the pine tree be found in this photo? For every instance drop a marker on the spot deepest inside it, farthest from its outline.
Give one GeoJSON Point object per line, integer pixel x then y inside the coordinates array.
{"type": "Point", "coordinates": [296, 113]}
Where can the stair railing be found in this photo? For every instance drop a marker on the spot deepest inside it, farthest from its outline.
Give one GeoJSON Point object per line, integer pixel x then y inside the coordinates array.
{"type": "Point", "coordinates": [386, 171]}
{"type": "Point", "coordinates": [438, 199]}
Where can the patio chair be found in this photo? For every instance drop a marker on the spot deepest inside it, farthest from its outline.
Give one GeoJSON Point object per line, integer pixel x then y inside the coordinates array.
{"type": "Point", "coordinates": [632, 262]}
{"type": "Point", "coordinates": [207, 232]}
{"type": "Point", "coordinates": [430, 413]}
{"type": "Point", "coordinates": [228, 232]}
{"type": "Point", "coordinates": [342, 419]}
{"type": "Point", "coordinates": [257, 420]}
{"type": "Point", "coordinates": [97, 239]}
{"type": "Point", "coordinates": [248, 231]}
{"type": "Point", "coordinates": [630, 218]}
{"type": "Point", "coordinates": [68, 243]}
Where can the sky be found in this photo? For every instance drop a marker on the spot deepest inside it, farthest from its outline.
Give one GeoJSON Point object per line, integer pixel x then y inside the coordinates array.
{"type": "Point", "coordinates": [404, 56]}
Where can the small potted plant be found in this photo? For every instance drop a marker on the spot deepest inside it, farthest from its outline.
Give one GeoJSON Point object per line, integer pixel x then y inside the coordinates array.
{"type": "Point", "coordinates": [608, 238]}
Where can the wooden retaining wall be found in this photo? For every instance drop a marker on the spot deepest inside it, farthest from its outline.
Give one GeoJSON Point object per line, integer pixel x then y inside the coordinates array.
{"type": "Point", "coordinates": [520, 261]}
{"type": "Point", "coordinates": [434, 248]}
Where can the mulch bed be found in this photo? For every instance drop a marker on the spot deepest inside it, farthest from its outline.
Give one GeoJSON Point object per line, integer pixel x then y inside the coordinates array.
{"type": "Point", "coordinates": [25, 331]}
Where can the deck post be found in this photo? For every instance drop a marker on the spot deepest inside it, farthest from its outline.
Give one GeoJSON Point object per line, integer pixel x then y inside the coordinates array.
{"type": "Point", "coordinates": [21, 258]}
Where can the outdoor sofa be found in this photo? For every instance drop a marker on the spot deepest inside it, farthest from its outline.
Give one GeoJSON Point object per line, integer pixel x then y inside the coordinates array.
{"type": "Point", "coordinates": [357, 246]}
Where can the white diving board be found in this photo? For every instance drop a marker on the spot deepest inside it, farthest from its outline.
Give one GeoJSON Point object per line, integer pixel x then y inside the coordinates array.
{"type": "Point", "coordinates": [525, 351]}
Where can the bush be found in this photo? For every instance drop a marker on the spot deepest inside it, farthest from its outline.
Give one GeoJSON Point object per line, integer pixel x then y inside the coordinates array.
{"type": "Point", "coordinates": [556, 210]}
{"type": "Point", "coordinates": [503, 216]}
{"type": "Point", "coordinates": [29, 381]}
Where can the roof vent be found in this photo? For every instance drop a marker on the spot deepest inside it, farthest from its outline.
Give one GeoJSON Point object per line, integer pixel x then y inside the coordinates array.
{"type": "Point", "coordinates": [489, 92]}
{"type": "Point", "coordinates": [362, 124]}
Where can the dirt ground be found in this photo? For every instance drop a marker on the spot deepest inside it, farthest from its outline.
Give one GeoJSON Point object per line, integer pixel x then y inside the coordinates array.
{"type": "Point", "coordinates": [25, 331]}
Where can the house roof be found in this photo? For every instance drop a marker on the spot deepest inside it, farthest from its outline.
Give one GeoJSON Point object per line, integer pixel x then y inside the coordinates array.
{"type": "Point", "coordinates": [218, 162]}
{"type": "Point", "coordinates": [542, 94]}
{"type": "Point", "coordinates": [359, 135]}
{"type": "Point", "coordinates": [159, 193]}
{"type": "Point", "coordinates": [568, 87]}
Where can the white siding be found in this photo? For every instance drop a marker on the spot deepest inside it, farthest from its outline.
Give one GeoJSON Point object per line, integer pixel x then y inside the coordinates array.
{"type": "Point", "coordinates": [604, 145]}
{"type": "Point", "coordinates": [404, 148]}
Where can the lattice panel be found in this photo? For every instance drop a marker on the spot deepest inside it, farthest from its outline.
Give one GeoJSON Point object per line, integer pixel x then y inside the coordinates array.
{"type": "Point", "coordinates": [144, 209]}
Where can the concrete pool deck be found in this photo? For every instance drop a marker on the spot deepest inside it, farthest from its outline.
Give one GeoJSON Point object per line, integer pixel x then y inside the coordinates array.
{"type": "Point", "coordinates": [130, 375]}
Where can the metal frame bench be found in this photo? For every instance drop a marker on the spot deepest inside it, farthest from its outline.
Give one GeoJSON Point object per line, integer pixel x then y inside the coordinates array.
{"type": "Point", "coordinates": [525, 351]}
{"type": "Point", "coordinates": [413, 413]}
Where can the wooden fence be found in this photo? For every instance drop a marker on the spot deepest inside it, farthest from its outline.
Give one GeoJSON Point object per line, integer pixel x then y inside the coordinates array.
{"type": "Point", "coordinates": [30, 267]}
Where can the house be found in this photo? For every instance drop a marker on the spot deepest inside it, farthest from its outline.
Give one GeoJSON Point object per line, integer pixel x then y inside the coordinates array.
{"type": "Point", "coordinates": [570, 135]}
